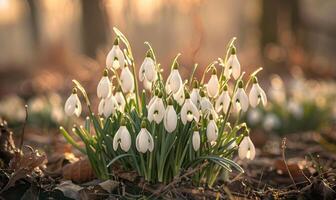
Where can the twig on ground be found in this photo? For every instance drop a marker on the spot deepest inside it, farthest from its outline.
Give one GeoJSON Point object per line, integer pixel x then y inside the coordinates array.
{"type": "Point", "coordinates": [283, 147]}
{"type": "Point", "coordinates": [23, 128]}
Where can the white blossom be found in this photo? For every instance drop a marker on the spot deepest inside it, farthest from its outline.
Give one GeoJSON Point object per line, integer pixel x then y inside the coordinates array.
{"type": "Point", "coordinates": [144, 141]}
{"type": "Point", "coordinates": [195, 97]}
{"type": "Point", "coordinates": [156, 111]}
{"type": "Point", "coordinates": [115, 58]}
{"type": "Point", "coordinates": [212, 131]}
{"type": "Point", "coordinates": [179, 96]}
{"type": "Point", "coordinates": [109, 106]}
{"type": "Point", "coordinates": [256, 95]}
{"type": "Point", "coordinates": [246, 149]}
{"type": "Point", "coordinates": [73, 105]}
{"type": "Point", "coordinates": [119, 97]}
{"type": "Point", "coordinates": [122, 138]}
{"type": "Point", "coordinates": [127, 80]}
{"type": "Point", "coordinates": [240, 100]}
{"type": "Point", "coordinates": [189, 112]}
{"type": "Point", "coordinates": [207, 107]}
{"type": "Point", "coordinates": [147, 70]}
{"type": "Point", "coordinates": [170, 119]}
{"type": "Point", "coordinates": [213, 85]}
{"type": "Point", "coordinates": [174, 82]}
{"type": "Point", "coordinates": [223, 102]}
{"type": "Point", "coordinates": [104, 87]}
{"type": "Point", "coordinates": [232, 66]}
{"type": "Point", "coordinates": [196, 140]}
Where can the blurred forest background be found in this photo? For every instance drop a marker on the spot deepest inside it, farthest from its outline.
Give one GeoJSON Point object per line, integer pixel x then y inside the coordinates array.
{"type": "Point", "coordinates": [46, 43]}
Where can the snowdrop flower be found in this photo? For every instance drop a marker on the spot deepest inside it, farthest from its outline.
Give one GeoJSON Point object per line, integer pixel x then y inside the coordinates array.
{"type": "Point", "coordinates": [212, 130]}
{"type": "Point", "coordinates": [122, 138]}
{"type": "Point", "coordinates": [147, 70]}
{"type": "Point", "coordinates": [174, 80]}
{"type": "Point", "coordinates": [207, 107]}
{"type": "Point", "coordinates": [179, 96]}
{"type": "Point", "coordinates": [213, 84]}
{"type": "Point", "coordinates": [144, 140]}
{"type": "Point", "coordinates": [189, 111]}
{"type": "Point", "coordinates": [127, 80]}
{"type": "Point", "coordinates": [156, 110]}
{"type": "Point", "coordinates": [223, 101]}
{"type": "Point", "coordinates": [170, 118]}
{"type": "Point", "coordinates": [104, 86]}
{"type": "Point", "coordinates": [196, 140]}
{"type": "Point", "coordinates": [119, 97]}
{"type": "Point", "coordinates": [257, 94]}
{"type": "Point", "coordinates": [195, 95]}
{"type": "Point", "coordinates": [232, 66]}
{"type": "Point", "coordinates": [73, 104]}
{"type": "Point", "coordinates": [115, 58]}
{"type": "Point", "coordinates": [246, 149]}
{"type": "Point", "coordinates": [240, 99]}
{"type": "Point", "coordinates": [108, 106]}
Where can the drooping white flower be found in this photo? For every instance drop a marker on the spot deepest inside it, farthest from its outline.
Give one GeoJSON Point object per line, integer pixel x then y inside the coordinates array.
{"type": "Point", "coordinates": [196, 140]}
{"type": "Point", "coordinates": [119, 97]}
{"type": "Point", "coordinates": [170, 119]}
{"type": "Point", "coordinates": [257, 94]}
{"type": "Point", "coordinates": [147, 70]}
{"type": "Point", "coordinates": [232, 66]}
{"type": "Point", "coordinates": [73, 105]}
{"type": "Point", "coordinates": [144, 141]}
{"type": "Point", "coordinates": [223, 101]}
{"type": "Point", "coordinates": [246, 149]}
{"type": "Point", "coordinates": [212, 130]}
{"type": "Point", "coordinates": [207, 107]}
{"type": "Point", "coordinates": [156, 110]}
{"type": "Point", "coordinates": [196, 97]}
{"type": "Point", "coordinates": [179, 96]}
{"type": "Point", "coordinates": [122, 138]}
{"type": "Point", "coordinates": [174, 81]}
{"type": "Point", "coordinates": [189, 111]}
{"type": "Point", "coordinates": [110, 106]}
{"type": "Point", "coordinates": [104, 86]}
{"type": "Point", "coordinates": [240, 99]}
{"type": "Point", "coordinates": [213, 84]}
{"type": "Point", "coordinates": [101, 107]}
{"type": "Point", "coordinates": [127, 80]}
{"type": "Point", "coordinates": [115, 58]}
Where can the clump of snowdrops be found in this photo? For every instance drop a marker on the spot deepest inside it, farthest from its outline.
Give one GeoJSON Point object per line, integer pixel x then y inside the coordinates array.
{"type": "Point", "coordinates": [171, 127]}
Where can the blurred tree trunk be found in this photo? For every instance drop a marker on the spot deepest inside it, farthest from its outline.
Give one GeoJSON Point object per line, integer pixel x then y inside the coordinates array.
{"type": "Point", "coordinates": [93, 23]}
{"type": "Point", "coordinates": [33, 8]}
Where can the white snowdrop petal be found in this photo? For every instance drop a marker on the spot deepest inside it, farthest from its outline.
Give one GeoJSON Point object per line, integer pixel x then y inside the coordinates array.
{"type": "Point", "coordinates": [195, 97]}
{"type": "Point", "coordinates": [125, 139]}
{"type": "Point", "coordinates": [212, 131]}
{"type": "Point", "coordinates": [179, 96]}
{"type": "Point", "coordinates": [213, 86]}
{"type": "Point", "coordinates": [170, 119]}
{"type": "Point", "coordinates": [104, 87]}
{"type": "Point", "coordinates": [235, 67]}
{"type": "Point", "coordinates": [115, 139]}
{"type": "Point", "coordinates": [101, 107]}
{"type": "Point", "coordinates": [70, 105]}
{"type": "Point", "coordinates": [196, 140]}
{"type": "Point", "coordinates": [253, 96]}
{"type": "Point", "coordinates": [127, 80]}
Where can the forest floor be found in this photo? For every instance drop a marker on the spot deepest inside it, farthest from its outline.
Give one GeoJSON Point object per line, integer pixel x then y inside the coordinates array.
{"type": "Point", "coordinates": [295, 166]}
